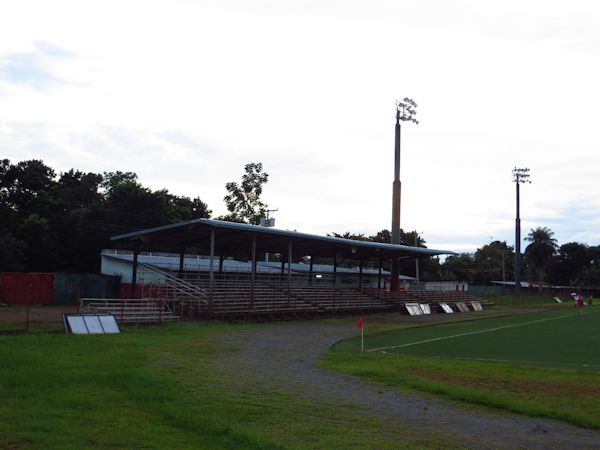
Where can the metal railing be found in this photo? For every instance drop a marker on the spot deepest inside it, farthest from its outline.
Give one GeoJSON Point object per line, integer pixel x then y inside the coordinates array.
{"type": "Point", "coordinates": [179, 286]}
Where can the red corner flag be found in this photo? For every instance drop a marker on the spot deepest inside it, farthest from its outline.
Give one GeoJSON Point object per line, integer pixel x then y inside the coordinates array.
{"type": "Point", "coordinates": [360, 322]}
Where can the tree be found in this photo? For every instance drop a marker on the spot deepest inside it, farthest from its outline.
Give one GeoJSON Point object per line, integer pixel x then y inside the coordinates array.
{"type": "Point", "coordinates": [589, 276]}
{"type": "Point", "coordinates": [129, 206]}
{"type": "Point", "coordinates": [428, 268]}
{"type": "Point", "coordinates": [79, 221]}
{"type": "Point", "coordinates": [570, 259]}
{"type": "Point", "coordinates": [40, 253]}
{"type": "Point", "coordinates": [492, 261]}
{"type": "Point", "coordinates": [383, 236]}
{"type": "Point", "coordinates": [540, 251]}
{"type": "Point", "coordinates": [49, 224]}
{"type": "Point", "coordinates": [24, 183]}
{"type": "Point", "coordinates": [460, 267]}
{"type": "Point", "coordinates": [184, 208]}
{"type": "Point", "coordinates": [27, 207]}
{"type": "Point", "coordinates": [406, 238]}
{"type": "Point", "coordinates": [11, 253]}
{"type": "Point", "coordinates": [348, 235]}
{"type": "Point", "coordinates": [243, 200]}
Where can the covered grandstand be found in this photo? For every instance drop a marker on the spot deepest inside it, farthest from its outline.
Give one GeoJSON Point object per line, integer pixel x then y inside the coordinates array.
{"type": "Point", "coordinates": [233, 278]}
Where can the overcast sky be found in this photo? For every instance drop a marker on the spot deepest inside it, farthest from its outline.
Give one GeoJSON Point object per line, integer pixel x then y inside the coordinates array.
{"type": "Point", "coordinates": [184, 93]}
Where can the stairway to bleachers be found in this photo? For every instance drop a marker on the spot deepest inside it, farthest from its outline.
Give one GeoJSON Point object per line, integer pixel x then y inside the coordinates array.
{"type": "Point", "coordinates": [130, 311]}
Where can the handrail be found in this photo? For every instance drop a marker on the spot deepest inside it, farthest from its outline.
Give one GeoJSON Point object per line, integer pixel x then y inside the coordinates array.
{"type": "Point", "coordinates": [179, 285]}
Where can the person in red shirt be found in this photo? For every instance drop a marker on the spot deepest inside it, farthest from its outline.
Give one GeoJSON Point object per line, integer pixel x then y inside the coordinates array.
{"type": "Point", "coordinates": [580, 304]}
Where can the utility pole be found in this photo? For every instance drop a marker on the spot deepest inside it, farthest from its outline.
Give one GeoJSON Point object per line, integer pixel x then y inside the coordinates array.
{"type": "Point", "coordinates": [519, 176]}
{"type": "Point", "coordinates": [269, 223]}
{"type": "Point", "coordinates": [405, 111]}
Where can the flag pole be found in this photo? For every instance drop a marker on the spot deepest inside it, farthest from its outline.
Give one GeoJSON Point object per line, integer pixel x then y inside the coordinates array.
{"type": "Point", "coordinates": [362, 340]}
{"type": "Point", "coordinates": [362, 335]}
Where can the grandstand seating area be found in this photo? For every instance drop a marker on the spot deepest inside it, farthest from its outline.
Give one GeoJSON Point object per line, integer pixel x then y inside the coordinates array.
{"type": "Point", "coordinates": [265, 299]}
{"type": "Point", "coordinates": [235, 298]}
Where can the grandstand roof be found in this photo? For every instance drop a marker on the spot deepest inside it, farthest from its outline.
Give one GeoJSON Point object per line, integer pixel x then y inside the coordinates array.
{"type": "Point", "coordinates": [202, 264]}
{"type": "Point", "coordinates": [232, 238]}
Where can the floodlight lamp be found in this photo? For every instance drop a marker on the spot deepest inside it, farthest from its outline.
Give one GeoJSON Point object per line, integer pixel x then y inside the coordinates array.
{"type": "Point", "coordinates": [521, 175]}
{"type": "Point", "coordinates": [406, 110]}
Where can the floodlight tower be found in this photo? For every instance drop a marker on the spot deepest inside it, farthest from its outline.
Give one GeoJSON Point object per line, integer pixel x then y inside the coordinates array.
{"type": "Point", "coordinates": [519, 176]}
{"type": "Point", "coordinates": [405, 111]}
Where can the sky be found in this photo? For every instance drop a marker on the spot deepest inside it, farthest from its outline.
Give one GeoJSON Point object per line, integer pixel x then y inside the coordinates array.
{"type": "Point", "coordinates": [186, 92]}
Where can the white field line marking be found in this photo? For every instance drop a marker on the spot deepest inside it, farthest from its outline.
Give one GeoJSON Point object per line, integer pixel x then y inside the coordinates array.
{"type": "Point", "coordinates": [489, 330]}
{"type": "Point", "coordinates": [545, 363]}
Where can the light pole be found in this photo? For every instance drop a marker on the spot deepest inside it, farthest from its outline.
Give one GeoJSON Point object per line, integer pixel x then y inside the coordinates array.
{"type": "Point", "coordinates": [417, 258]}
{"type": "Point", "coordinates": [519, 176]}
{"type": "Point", "coordinates": [405, 111]}
{"type": "Point", "coordinates": [503, 268]}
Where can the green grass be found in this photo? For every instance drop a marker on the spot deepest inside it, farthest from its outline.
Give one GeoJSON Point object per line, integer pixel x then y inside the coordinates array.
{"type": "Point", "coordinates": [524, 300]}
{"type": "Point", "coordinates": [37, 327]}
{"type": "Point", "coordinates": [541, 364]}
{"type": "Point", "coordinates": [165, 387]}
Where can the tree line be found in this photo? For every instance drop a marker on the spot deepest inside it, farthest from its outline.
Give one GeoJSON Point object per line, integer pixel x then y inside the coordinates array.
{"type": "Point", "coordinates": [60, 222]}
{"type": "Point", "coordinates": [571, 264]}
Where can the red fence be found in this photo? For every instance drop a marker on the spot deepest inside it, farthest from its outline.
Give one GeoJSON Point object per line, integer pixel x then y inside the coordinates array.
{"type": "Point", "coordinates": [27, 288]}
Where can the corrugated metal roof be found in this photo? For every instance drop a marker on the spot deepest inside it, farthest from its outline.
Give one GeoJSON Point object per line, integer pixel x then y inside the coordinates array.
{"type": "Point", "coordinates": [235, 237]}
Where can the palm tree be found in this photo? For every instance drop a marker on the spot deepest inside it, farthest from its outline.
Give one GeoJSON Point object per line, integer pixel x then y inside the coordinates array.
{"type": "Point", "coordinates": [541, 250]}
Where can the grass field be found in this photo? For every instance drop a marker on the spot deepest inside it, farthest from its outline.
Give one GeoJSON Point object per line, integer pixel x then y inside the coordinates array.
{"type": "Point", "coordinates": [542, 364]}
{"type": "Point", "coordinates": [165, 388]}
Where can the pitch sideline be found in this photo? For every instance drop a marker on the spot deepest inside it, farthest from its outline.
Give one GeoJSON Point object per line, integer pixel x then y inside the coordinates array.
{"type": "Point", "coordinates": [472, 332]}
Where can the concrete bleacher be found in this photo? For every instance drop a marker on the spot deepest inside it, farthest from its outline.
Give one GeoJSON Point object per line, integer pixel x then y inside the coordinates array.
{"type": "Point", "coordinates": [130, 311]}
{"type": "Point", "coordinates": [234, 298]}
{"type": "Point", "coordinates": [340, 299]}
{"type": "Point", "coordinates": [277, 297]}
{"type": "Point", "coordinates": [271, 298]}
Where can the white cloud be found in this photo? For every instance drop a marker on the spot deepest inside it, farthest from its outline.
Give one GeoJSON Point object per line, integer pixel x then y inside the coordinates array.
{"type": "Point", "coordinates": [185, 93]}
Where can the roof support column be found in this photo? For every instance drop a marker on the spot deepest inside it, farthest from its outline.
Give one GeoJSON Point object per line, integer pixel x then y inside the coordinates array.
{"type": "Point", "coordinates": [181, 260]}
{"type": "Point", "coordinates": [360, 274]}
{"type": "Point", "coordinates": [134, 270]}
{"type": "Point", "coordinates": [289, 274]}
{"type": "Point", "coordinates": [310, 271]}
{"type": "Point", "coordinates": [334, 270]}
{"type": "Point", "coordinates": [379, 278]}
{"type": "Point", "coordinates": [334, 280]}
{"type": "Point", "coordinates": [253, 275]}
{"type": "Point", "coordinates": [394, 275]}
{"type": "Point", "coordinates": [211, 271]}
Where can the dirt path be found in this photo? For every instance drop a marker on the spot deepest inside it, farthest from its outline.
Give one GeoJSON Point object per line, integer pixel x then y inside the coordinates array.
{"type": "Point", "coordinates": [37, 313]}
{"type": "Point", "coordinates": [287, 354]}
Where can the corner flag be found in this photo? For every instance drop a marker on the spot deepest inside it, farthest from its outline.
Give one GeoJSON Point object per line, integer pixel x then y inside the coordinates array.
{"type": "Point", "coordinates": [362, 336]}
